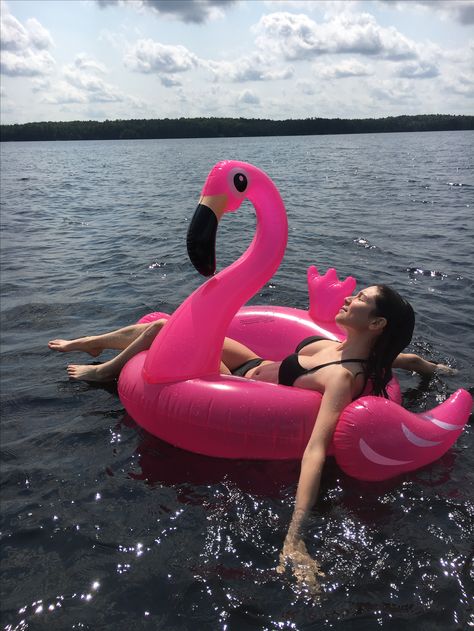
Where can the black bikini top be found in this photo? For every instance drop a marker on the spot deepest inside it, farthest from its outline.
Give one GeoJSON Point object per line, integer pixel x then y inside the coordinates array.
{"type": "Point", "coordinates": [291, 369]}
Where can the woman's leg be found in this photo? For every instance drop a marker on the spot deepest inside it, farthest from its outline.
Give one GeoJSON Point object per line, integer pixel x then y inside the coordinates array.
{"type": "Point", "coordinates": [234, 354]}
{"type": "Point", "coordinates": [109, 370]}
{"type": "Point", "coordinates": [95, 344]}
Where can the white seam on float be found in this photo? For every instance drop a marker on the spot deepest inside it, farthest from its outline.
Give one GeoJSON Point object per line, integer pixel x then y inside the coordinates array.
{"type": "Point", "coordinates": [373, 456]}
{"type": "Point", "coordinates": [442, 424]}
{"type": "Point", "coordinates": [416, 440]}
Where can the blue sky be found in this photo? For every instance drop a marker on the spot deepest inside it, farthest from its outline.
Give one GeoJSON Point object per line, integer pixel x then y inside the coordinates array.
{"type": "Point", "coordinates": [98, 59]}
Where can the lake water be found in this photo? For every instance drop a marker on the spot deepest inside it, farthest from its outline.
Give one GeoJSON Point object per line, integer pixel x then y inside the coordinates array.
{"type": "Point", "coordinates": [106, 527]}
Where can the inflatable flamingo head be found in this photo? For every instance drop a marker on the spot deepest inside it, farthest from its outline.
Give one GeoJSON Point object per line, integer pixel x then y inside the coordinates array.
{"type": "Point", "coordinates": [228, 179]}
{"type": "Point", "coordinates": [226, 186]}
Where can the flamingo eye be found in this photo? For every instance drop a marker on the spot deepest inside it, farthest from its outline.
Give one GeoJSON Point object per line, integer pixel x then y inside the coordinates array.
{"type": "Point", "coordinates": [240, 182]}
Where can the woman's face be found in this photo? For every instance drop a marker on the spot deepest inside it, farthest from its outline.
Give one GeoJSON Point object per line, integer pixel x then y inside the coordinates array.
{"type": "Point", "coordinates": [358, 311]}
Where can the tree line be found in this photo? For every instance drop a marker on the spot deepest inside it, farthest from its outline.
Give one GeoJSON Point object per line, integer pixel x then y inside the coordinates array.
{"type": "Point", "coordinates": [228, 127]}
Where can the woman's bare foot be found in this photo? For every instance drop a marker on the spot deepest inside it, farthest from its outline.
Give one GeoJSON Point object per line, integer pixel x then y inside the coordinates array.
{"type": "Point", "coordinates": [101, 372]}
{"type": "Point", "coordinates": [85, 344]}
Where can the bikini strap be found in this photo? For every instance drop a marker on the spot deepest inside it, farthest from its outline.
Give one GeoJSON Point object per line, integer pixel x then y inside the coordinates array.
{"type": "Point", "coordinates": [309, 340]}
{"type": "Point", "coordinates": [340, 361]}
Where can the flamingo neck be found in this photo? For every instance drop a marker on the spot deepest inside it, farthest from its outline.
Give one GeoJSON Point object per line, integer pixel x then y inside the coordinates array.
{"type": "Point", "coordinates": [190, 345]}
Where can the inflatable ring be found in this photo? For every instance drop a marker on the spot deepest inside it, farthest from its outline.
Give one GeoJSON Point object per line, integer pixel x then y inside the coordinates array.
{"type": "Point", "coordinates": [174, 390]}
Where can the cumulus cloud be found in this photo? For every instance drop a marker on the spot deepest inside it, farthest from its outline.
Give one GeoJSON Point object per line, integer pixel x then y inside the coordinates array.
{"type": "Point", "coordinates": [87, 63]}
{"type": "Point", "coordinates": [461, 11]}
{"type": "Point", "coordinates": [166, 61]}
{"type": "Point", "coordinates": [197, 11]}
{"type": "Point", "coordinates": [297, 37]}
{"type": "Point", "coordinates": [39, 36]}
{"type": "Point", "coordinates": [254, 67]}
{"type": "Point", "coordinates": [63, 93]}
{"type": "Point", "coordinates": [84, 75]}
{"type": "Point", "coordinates": [24, 47]}
{"type": "Point", "coordinates": [27, 64]}
{"type": "Point", "coordinates": [342, 70]}
{"type": "Point", "coordinates": [150, 57]}
{"type": "Point", "coordinates": [15, 37]}
{"type": "Point", "coordinates": [80, 82]}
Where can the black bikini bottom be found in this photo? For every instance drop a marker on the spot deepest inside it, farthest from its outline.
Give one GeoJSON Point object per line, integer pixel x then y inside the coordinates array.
{"type": "Point", "coordinates": [246, 366]}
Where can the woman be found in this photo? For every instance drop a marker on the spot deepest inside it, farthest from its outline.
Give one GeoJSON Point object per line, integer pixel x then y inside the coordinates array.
{"type": "Point", "coordinates": [378, 324]}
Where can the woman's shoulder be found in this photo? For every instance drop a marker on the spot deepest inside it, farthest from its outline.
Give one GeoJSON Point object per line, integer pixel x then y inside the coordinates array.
{"type": "Point", "coordinates": [344, 378]}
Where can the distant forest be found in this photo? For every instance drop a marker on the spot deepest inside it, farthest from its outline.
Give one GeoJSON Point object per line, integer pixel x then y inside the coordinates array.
{"type": "Point", "coordinates": [228, 127]}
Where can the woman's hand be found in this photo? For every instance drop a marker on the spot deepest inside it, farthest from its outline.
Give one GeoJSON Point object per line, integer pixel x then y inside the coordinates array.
{"type": "Point", "coordinates": [442, 369]}
{"type": "Point", "coordinates": [306, 570]}
{"type": "Point", "coordinates": [415, 363]}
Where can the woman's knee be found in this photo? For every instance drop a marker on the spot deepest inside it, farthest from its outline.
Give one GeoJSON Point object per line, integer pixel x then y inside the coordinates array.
{"type": "Point", "coordinates": [154, 328]}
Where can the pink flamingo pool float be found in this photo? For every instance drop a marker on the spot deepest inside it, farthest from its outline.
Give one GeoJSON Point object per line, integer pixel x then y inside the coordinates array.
{"type": "Point", "coordinates": [180, 396]}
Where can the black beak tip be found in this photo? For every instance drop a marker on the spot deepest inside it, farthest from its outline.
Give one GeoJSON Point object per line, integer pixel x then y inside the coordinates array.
{"type": "Point", "coordinates": [205, 269]}
{"type": "Point", "coordinates": [201, 240]}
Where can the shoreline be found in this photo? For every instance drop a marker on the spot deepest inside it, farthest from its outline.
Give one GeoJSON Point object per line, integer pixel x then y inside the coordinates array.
{"type": "Point", "coordinates": [153, 129]}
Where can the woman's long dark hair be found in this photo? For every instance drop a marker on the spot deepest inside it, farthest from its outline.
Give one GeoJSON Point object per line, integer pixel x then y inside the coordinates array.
{"type": "Point", "coordinates": [395, 336]}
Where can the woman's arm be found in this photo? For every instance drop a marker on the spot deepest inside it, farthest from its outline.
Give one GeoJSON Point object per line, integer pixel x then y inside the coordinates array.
{"type": "Point", "coordinates": [415, 363]}
{"type": "Point", "coordinates": [337, 395]}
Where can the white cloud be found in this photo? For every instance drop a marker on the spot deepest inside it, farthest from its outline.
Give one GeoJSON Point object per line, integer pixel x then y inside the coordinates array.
{"type": "Point", "coordinates": [85, 62]}
{"type": "Point", "coordinates": [461, 11]}
{"type": "Point", "coordinates": [24, 48]}
{"type": "Point", "coordinates": [83, 76]}
{"type": "Point", "coordinates": [39, 36]}
{"type": "Point", "coordinates": [14, 34]}
{"type": "Point", "coordinates": [80, 82]}
{"type": "Point", "coordinates": [342, 70]}
{"type": "Point", "coordinates": [297, 37]}
{"type": "Point", "coordinates": [254, 67]}
{"type": "Point", "coordinates": [27, 64]}
{"type": "Point", "coordinates": [197, 11]}
{"type": "Point", "coordinates": [64, 93]}
{"type": "Point", "coordinates": [277, 74]}
{"type": "Point", "coordinates": [149, 57]}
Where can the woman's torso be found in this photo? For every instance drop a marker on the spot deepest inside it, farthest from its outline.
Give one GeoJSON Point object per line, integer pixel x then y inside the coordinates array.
{"type": "Point", "coordinates": [309, 357]}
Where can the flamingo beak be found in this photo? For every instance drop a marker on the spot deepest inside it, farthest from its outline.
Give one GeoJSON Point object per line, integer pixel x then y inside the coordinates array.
{"type": "Point", "coordinates": [201, 238]}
